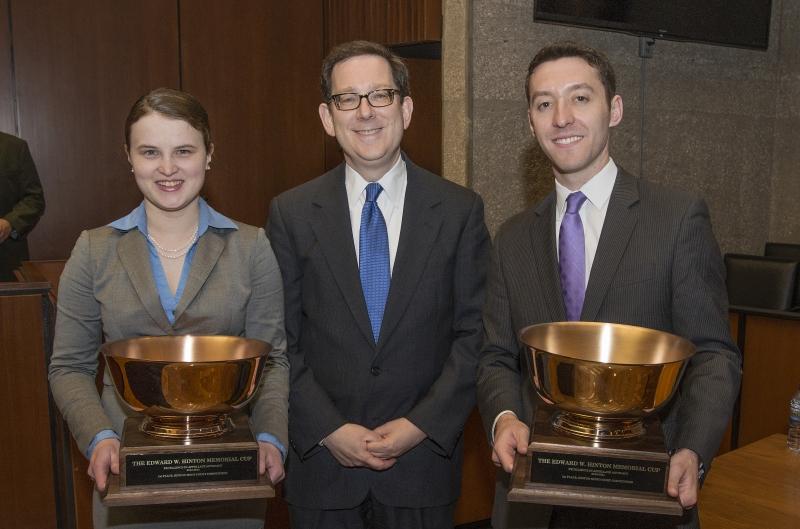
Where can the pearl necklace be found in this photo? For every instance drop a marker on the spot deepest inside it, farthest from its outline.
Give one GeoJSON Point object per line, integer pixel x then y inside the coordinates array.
{"type": "Point", "coordinates": [178, 252]}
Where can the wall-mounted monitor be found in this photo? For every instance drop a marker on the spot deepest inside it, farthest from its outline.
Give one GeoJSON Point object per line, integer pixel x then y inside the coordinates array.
{"type": "Point", "coordinates": [741, 23]}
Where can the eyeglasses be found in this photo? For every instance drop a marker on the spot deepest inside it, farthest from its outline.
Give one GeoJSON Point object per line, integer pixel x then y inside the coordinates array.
{"type": "Point", "coordinates": [383, 97]}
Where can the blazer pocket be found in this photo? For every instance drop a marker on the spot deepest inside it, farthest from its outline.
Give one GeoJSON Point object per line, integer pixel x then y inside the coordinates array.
{"type": "Point", "coordinates": [634, 274]}
{"type": "Point", "coordinates": [631, 282]}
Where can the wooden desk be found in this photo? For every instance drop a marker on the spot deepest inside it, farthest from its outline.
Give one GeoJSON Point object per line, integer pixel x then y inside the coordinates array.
{"type": "Point", "coordinates": [49, 271]}
{"type": "Point", "coordinates": [770, 372]}
{"type": "Point", "coordinates": [754, 487]}
{"type": "Point", "coordinates": [29, 487]}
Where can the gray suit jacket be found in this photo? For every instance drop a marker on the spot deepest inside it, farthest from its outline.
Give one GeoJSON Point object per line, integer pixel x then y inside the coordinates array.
{"type": "Point", "coordinates": [423, 366]}
{"type": "Point", "coordinates": [107, 292]}
{"type": "Point", "coordinates": [657, 265]}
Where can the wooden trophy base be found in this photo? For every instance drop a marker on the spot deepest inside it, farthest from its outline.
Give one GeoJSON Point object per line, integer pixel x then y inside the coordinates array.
{"type": "Point", "coordinates": [621, 475]}
{"type": "Point", "coordinates": [154, 471]}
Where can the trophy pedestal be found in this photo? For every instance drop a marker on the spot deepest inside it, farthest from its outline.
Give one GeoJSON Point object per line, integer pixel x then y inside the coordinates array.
{"type": "Point", "coordinates": [155, 471]}
{"type": "Point", "coordinates": [623, 475]}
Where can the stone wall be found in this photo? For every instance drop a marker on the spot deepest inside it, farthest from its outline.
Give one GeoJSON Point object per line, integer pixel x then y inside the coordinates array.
{"type": "Point", "coordinates": [718, 121]}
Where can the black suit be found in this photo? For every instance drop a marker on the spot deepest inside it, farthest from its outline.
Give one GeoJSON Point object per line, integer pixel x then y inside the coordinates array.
{"type": "Point", "coordinates": [21, 201]}
{"type": "Point", "coordinates": [657, 265]}
{"type": "Point", "coordinates": [424, 364]}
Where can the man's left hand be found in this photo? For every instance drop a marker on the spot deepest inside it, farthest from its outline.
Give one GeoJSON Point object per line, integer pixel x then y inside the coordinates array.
{"type": "Point", "coordinates": [270, 461]}
{"type": "Point", "coordinates": [398, 437]}
{"type": "Point", "coordinates": [682, 483]}
{"type": "Point", "coordinates": [5, 230]}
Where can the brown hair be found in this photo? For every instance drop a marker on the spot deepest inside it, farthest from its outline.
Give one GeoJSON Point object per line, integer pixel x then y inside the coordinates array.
{"type": "Point", "coordinates": [355, 48]}
{"type": "Point", "coordinates": [595, 58]}
{"type": "Point", "coordinates": [172, 104]}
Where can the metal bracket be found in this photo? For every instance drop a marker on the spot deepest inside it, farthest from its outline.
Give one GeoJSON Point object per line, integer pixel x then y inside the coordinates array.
{"type": "Point", "coordinates": [646, 45]}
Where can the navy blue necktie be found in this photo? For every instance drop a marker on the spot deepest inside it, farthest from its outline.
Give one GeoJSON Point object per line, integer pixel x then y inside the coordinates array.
{"type": "Point", "coordinates": [373, 256]}
{"type": "Point", "coordinates": [572, 257]}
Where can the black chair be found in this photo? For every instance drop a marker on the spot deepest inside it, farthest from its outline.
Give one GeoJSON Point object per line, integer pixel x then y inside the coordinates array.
{"type": "Point", "coordinates": [786, 250]}
{"type": "Point", "coordinates": [761, 282]}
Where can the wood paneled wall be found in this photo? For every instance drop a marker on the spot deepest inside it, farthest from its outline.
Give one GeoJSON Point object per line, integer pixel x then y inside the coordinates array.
{"type": "Point", "coordinates": [391, 22]}
{"type": "Point", "coordinates": [259, 78]}
{"type": "Point", "coordinates": [80, 65]}
{"type": "Point", "coordinates": [7, 122]}
{"type": "Point", "coordinates": [423, 138]}
{"type": "Point", "coordinates": [78, 68]}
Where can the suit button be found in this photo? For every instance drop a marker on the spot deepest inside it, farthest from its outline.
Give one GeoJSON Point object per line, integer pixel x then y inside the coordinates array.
{"type": "Point", "coordinates": [375, 371]}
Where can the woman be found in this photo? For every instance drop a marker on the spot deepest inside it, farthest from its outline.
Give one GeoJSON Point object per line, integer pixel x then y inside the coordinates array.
{"type": "Point", "coordinates": [172, 266]}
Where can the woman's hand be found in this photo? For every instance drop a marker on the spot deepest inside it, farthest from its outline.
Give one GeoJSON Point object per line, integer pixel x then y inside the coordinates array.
{"type": "Point", "coordinates": [105, 458]}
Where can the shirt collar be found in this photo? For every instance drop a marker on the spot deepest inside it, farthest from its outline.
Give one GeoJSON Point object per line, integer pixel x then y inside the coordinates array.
{"type": "Point", "coordinates": [597, 189]}
{"type": "Point", "coordinates": [209, 217]}
{"type": "Point", "coordinates": [391, 182]}
{"type": "Point", "coordinates": [135, 219]}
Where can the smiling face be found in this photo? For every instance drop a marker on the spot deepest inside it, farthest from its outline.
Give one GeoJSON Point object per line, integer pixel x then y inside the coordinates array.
{"type": "Point", "coordinates": [370, 137]}
{"type": "Point", "coordinates": [169, 161]}
{"type": "Point", "coordinates": [570, 117]}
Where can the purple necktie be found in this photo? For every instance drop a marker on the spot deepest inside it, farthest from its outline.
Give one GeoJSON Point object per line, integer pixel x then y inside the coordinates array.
{"type": "Point", "coordinates": [571, 258]}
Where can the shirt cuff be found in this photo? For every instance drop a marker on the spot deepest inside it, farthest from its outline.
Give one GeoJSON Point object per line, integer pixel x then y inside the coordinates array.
{"type": "Point", "coordinates": [102, 435]}
{"type": "Point", "coordinates": [494, 424]}
{"type": "Point", "coordinates": [271, 439]}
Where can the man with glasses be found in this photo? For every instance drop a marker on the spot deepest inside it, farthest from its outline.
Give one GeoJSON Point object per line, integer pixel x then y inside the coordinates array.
{"type": "Point", "coordinates": [383, 266]}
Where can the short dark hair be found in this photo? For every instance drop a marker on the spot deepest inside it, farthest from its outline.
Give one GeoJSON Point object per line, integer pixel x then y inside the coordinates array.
{"type": "Point", "coordinates": [595, 58]}
{"type": "Point", "coordinates": [173, 104]}
{"type": "Point", "coordinates": [355, 48]}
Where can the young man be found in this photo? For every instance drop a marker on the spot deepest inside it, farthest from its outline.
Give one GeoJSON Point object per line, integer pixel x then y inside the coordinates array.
{"type": "Point", "coordinates": [647, 257]}
{"type": "Point", "coordinates": [384, 267]}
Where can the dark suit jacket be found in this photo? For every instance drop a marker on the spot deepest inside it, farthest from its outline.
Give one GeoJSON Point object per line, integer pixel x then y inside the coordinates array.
{"type": "Point", "coordinates": [657, 265]}
{"type": "Point", "coordinates": [21, 201]}
{"type": "Point", "coordinates": [423, 367]}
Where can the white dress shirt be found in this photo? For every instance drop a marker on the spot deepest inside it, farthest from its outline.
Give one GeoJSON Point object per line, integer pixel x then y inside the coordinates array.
{"type": "Point", "coordinates": [593, 215]}
{"type": "Point", "coordinates": [593, 211]}
{"type": "Point", "coordinates": [390, 201]}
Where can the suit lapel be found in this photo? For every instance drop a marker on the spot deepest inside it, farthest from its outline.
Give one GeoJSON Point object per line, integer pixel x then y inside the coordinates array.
{"type": "Point", "coordinates": [422, 218]}
{"type": "Point", "coordinates": [618, 225]}
{"type": "Point", "coordinates": [209, 249]}
{"type": "Point", "coordinates": [543, 238]}
{"type": "Point", "coordinates": [134, 254]}
{"type": "Point", "coordinates": [334, 234]}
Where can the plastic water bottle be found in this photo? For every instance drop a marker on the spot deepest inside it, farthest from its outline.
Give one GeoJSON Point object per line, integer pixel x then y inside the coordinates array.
{"type": "Point", "coordinates": [794, 422]}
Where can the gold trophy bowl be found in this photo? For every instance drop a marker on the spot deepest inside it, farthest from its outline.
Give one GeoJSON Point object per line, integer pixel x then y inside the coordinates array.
{"type": "Point", "coordinates": [187, 386]}
{"type": "Point", "coordinates": [604, 378]}
{"type": "Point", "coordinates": [596, 441]}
